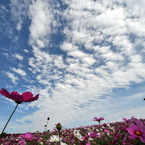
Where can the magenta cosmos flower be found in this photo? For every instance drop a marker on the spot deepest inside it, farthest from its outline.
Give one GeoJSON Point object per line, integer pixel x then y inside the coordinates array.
{"type": "Point", "coordinates": [125, 119]}
{"type": "Point", "coordinates": [26, 136]}
{"type": "Point", "coordinates": [98, 119]}
{"type": "Point", "coordinates": [137, 131]}
{"type": "Point", "coordinates": [19, 98]}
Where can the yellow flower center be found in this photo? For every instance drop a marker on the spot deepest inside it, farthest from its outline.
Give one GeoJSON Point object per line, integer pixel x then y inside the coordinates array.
{"type": "Point", "coordinates": [137, 133]}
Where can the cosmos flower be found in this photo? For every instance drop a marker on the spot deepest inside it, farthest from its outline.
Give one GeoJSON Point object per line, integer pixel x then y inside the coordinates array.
{"type": "Point", "coordinates": [107, 131]}
{"type": "Point", "coordinates": [92, 134]}
{"type": "Point", "coordinates": [98, 119]}
{"type": "Point", "coordinates": [62, 143]}
{"type": "Point", "coordinates": [26, 136]}
{"type": "Point", "coordinates": [19, 98]}
{"type": "Point", "coordinates": [137, 131]}
{"type": "Point", "coordinates": [88, 143]}
{"type": "Point", "coordinates": [54, 138]}
{"type": "Point", "coordinates": [15, 96]}
{"type": "Point", "coordinates": [78, 135]}
{"type": "Point", "coordinates": [125, 119]}
{"type": "Point", "coordinates": [135, 120]}
{"type": "Point", "coordinates": [22, 142]}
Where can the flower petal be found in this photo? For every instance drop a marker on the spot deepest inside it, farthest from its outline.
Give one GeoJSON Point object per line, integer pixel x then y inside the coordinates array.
{"type": "Point", "coordinates": [15, 93]}
{"type": "Point", "coordinates": [5, 93]}
{"type": "Point", "coordinates": [27, 95]}
{"type": "Point", "coordinates": [32, 99]}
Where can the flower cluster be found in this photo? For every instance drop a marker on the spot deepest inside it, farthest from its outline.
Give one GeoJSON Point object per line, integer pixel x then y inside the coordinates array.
{"type": "Point", "coordinates": [128, 132]}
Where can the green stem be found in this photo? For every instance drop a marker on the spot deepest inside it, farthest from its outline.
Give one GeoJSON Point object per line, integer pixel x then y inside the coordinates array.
{"type": "Point", "coordinates": [59, 136]}
{"type": "Point", "coordinates": [10, 118]}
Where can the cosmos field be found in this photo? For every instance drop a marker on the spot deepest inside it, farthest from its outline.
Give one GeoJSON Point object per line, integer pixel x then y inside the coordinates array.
{"type": "Point", "coordinates": [128, 132]}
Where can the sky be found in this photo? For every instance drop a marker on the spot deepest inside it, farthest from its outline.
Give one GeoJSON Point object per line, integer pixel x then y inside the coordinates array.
{"type": "Point", "coordinates": [85, 59]}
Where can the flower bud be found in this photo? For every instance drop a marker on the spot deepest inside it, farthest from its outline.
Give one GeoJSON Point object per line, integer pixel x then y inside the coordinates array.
{"type": "Point", "coordinates": [58, 126]}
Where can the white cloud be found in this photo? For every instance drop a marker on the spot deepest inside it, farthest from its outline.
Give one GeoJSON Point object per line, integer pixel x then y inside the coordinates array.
{"type": "Point", "coordinates": [67, 46]}
{"type": "Point", "coordinates": [19, 71]}
{"type": "Point", "coordinates": [18, 56]}
{"type": "Point", "coordinates": [25, 50]}
{"type": "Point", "coordinates": [41, 17]}
{"type": "Point", "coordinates": [18, 12]}
{"type": "Point", "coordinates": [12, 77]}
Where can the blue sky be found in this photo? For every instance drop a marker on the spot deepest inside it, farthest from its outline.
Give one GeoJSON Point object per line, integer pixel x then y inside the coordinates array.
{"type": "Point", "coordinates": [84, 57]}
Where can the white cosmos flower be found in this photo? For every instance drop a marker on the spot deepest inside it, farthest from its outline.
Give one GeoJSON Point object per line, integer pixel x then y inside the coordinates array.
{"type": "Point", "coordinates": [78, 135]}
{"type": "Point", "coordinates": [62, 143]}
{"type": "Point", "coordinates": [54, 138]}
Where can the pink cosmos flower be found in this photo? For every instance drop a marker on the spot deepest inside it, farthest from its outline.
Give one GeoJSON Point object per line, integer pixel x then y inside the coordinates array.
{"type": "Point", "coordinates": [98, 119]}
{"type": "Point", "coordinates": [106, 131]}
{"type": "Point", "coordinates": [137, 131]}
{"type": "Point", "coordinates": [19, 98]}
{"type": "Point", "coordinates": [22, 142]}
{"type": "Point", "coordinates": [93, 134]}
{"type": "Point", "coordinates": [135, 120]}
{"type": "Point", "coordinates": [125, 119]}
{"type": "Point", "coordinates": [88, 143]}
{"type": "Point", "coordinates": [15, 96]}
{"type": "Point", "coordinates": [26, 136]}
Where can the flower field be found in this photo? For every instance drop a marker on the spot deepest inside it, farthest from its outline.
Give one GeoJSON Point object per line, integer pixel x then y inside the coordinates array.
{"type": "Point", "coordinates": [128, 132]}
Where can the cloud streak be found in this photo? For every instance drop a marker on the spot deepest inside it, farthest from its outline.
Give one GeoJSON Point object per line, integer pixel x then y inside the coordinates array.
{"type": "Point", "coordinates": [40, 15]}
